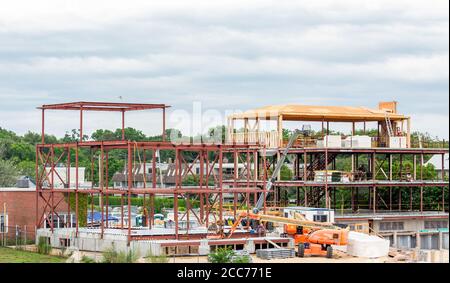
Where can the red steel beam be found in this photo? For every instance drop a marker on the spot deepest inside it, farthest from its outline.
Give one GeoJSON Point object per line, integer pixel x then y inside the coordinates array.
{"type": "Point", "coordinates": [103, 106]}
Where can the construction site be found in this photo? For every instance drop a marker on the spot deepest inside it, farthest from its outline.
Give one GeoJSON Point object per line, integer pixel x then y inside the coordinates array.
{"type": "Point", "coordinates": [235, 195]}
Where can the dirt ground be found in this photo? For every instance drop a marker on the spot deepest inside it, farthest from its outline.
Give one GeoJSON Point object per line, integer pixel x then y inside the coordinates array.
{"type": "Point", "coordinates": [338, 258]}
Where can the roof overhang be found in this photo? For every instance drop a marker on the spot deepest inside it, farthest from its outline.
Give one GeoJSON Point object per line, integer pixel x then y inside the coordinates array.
{"type": "Point", "coordinates": [297, 112]}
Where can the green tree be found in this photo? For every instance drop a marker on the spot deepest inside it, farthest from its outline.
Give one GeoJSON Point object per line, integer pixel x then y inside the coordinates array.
{"type": "Point", "coordinates": [103, 135]}
{"type": "Point", "coordinates": [27, 168]}
{"type": "Point", "coordinates": [73, 136]}
{"type": "Point", "coordinates": [21, 151]}
{"type": "Point", "coordinates": [31, 138]}
{"type": "Point", "coordinates": [285, 173]}
{"type": "Point", "coordinates": [8, 173]}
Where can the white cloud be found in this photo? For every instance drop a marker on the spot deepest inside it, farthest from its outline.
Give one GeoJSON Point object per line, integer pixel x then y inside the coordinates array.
{"type": "Point", "coordinates": [435, 124]}
{"type": "Point", "coordinates": [226, 54]}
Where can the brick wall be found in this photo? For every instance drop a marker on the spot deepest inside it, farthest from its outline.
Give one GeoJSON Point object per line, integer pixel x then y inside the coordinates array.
{"type": "Point", "coordinates": [21, 208]}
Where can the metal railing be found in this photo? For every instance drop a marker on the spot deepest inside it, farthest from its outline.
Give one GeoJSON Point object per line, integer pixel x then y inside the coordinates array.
{"type": "Point", "coordinates": [271, 140]}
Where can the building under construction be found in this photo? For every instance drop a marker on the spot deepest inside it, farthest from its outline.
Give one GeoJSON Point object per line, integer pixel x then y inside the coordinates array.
{"type": "Point", "coordinates": [324, 165]}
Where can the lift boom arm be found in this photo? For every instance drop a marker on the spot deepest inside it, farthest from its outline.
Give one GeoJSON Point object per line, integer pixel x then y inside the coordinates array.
{"type": "Point", "coordinates": [275, 172]}
{"type": "Point", "coordinates": [282, 220]}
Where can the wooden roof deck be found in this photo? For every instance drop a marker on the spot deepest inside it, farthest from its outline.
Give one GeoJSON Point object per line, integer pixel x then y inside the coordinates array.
{"type": "Point", "coordinates": [298, 112]}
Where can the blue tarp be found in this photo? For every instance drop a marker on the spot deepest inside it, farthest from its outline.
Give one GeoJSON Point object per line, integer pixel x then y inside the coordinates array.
{"type": "Point", "coordinates": [98, 217]}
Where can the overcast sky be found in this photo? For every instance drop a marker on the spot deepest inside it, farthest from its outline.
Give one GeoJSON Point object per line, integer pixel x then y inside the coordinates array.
{"type": "Point", "coordinates": [236, 55]}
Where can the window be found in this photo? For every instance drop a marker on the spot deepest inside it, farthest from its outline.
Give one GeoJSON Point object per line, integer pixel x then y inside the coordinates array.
{"type": "Point", "coordinates": [320, 218]}
{"type": "Point", "coordinates": [436, 224]}
{"type": "Point", "coordinates": [391, 226]}
{"type": "Point", "coordinates": [60, 222]}
{"type": "Point", "coordinates": [64, 242]}
{"type": "Point", "coordinates": [429, 242]}
{"type": "Point", "coordinates": [406, 242]}
{"type": "Point", "coordinates": [3, 224]}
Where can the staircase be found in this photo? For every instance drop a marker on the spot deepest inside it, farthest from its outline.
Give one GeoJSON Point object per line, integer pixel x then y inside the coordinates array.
{"type": "Point", "coordinates": [315, 195]}
{"type": "Point", "coordinates": [319, 163]}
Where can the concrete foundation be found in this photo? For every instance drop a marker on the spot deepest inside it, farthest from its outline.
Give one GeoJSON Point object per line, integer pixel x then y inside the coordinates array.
{"type": "Point", "coordinates": [91, 240]}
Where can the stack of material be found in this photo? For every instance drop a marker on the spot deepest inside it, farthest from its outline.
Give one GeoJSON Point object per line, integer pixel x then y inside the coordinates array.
{"type": "Point", "coordinates": [358, 142]}
{"type": "Point", "coordinates": [363, 245]}
{"type": "Point", "coordinates": [397, 142]}
{"type": "Point", "coordinates": [330, 176]}
{"type": "Point", "coordinates": [330, 141]}
{"type": "Point", "coordinates": [275, 253]}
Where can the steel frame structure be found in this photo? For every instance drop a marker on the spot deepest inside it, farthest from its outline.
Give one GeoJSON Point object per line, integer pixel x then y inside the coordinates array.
{"type": "Point", "coordinates": [325, 192]}
{"type": "Point", "coordinates": [245, 186]}
{"type": "Point", "coordinates": [210, 197]}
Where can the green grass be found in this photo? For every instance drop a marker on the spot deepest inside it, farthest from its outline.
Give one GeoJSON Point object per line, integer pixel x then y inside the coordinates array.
{"type": "Point", "coordinates": [8, 255]}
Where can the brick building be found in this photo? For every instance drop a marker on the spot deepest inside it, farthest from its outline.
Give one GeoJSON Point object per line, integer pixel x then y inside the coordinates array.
{"type": "Point", "coordinates": [18, 211]}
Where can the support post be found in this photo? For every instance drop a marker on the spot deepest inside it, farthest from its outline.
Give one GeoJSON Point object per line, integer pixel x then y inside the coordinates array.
{"type": "Point", "coordinates": [390, 198]}
{"type": "Point", "coordinates": [52, 186]}
{"type": "Point", "coordinates": [38, 187]}
{"type": "Point", "coordinates": [164, 124]}
{"type": "Point", "coordinates": [280, 131]}
{"type": "Point", "coordinates": [175, 196]}
{"type": "Point", "coordinates": [443, 179]}
{"type": "Point", "coordinates": [246, 131]}
{"type": "Point", "coordinates": [43, 127]}
{"type": "Point", "coordinates": [130, 186]}
{"type": "Point", "coordinates": [68, 187]}
{"type": "Point", "coordinates": [390, 167]}
{"type": "Point", "coordinates": [305, 172]}
{"type": "Point", "coordinates": [101, 181]}
{"type": "Point", "coordinates": [81, 123]}
{"type": "Point", "coordinates": [415, 167]}
{"type": "Point", "coordinates": [107, 188]}
{"type": "Point", "coordinates": [123, 125]}
{"type": "Point", "coordinates": [221, 182]}
{"type": "Point", "coordinates": [327, 205]}
{"type": "Point", "coordinates": [408, 133]}
{"type": "Point", "coordinates": [374, 199]}
{"type": "Point", "coordinates": [76, 190]}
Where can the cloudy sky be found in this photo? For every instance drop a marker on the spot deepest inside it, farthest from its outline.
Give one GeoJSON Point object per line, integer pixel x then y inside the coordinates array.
{"type": "Point", "coordinates": [223, 55]}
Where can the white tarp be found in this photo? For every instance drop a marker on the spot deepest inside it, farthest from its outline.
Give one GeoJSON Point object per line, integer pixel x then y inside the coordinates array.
{"type": "Point", "coordinates": [397, 142]}
{"type": "Point", "coordinates": [330, 141]}
{"type": "Point", "coordinates": [363, 245]}
{"type": "Point", "coordinates": [358, 142]}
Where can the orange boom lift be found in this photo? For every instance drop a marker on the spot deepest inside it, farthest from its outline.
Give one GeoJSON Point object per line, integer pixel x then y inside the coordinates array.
{"type": "Point", "coordinates": [312, 238]}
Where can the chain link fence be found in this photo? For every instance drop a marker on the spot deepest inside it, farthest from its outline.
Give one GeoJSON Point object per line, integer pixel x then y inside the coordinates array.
{"type": "Point", "coordinates": [16, 236]}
